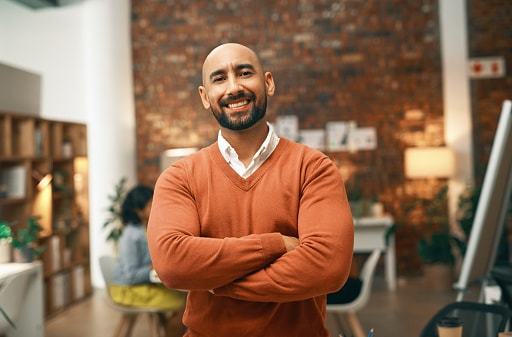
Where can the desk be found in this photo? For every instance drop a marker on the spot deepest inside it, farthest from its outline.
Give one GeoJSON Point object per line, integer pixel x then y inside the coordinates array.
{"type": "Point", "coordinates": [369, 233]}
{"type": "Point", "coordinates": [21, 290]}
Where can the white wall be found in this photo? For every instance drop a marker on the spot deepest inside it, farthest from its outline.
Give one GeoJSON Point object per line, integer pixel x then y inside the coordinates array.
{"type": "Point", "coordinates": [456, 96]}
{"type": "Point", "coordinates": [83, 54]}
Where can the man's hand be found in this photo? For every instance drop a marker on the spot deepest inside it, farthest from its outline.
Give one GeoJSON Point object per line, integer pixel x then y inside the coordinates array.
{"type": "Point", "coordinates": [290, 242]}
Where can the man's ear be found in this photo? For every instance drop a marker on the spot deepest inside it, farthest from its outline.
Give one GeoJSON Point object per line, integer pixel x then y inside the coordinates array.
{"type": "Point", "coordinates": [269, 84]}
{"type": "Point", "coordinates": [204, 97]}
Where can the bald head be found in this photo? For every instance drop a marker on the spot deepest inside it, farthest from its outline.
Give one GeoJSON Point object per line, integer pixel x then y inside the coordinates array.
{"type": "Point", "coordinates": [235, 88]}
{"type": "Point", "coordinates": [229, 53]}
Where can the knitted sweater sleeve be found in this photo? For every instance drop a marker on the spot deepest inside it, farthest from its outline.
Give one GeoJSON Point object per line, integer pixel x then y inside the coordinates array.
{"type": "Point", "coordinates": [185, 260]}
{"type": "Point", "coordinates": [321, 263]}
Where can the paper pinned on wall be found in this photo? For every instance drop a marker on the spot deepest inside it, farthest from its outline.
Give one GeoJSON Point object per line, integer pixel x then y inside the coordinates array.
{"type": "Point", "coordinates": [287, 126]}
{"type": "Point", "coordinates": [314, 138]}
{"type": "Point", "coordinates": [363, 138]}
{"type": "Point", "coordinates": [346, 136]}
{"type": "Point", "coordinates": [338, 135]}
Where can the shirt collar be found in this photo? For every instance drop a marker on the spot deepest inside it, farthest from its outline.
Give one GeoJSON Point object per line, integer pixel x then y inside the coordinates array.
{"type": "Point", "coordinates": [266, 148]}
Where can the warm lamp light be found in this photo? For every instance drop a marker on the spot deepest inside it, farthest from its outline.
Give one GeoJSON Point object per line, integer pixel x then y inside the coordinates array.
{"type": "Point", "coordinates": [42, 180]}
{"type": "Point", "coordinates": [171, 155]}
{"type": "Point", "coordinates": [429, 162]}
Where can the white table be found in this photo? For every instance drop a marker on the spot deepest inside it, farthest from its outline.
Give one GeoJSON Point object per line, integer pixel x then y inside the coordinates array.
{"type": "Point", "coordinates": [370, 233]}
{"type": "Point", "coordinates": [25, 296]}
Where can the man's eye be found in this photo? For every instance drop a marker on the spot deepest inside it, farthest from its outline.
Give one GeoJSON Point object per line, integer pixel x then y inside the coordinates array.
{"type": "Point", "coordinates": [245, 73]}
{"type": "Point", "coordinates": [218, 79]}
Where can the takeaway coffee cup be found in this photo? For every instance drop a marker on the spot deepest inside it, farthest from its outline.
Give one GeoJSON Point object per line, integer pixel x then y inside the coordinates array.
{"type": "Point", "coordinates": [449, 327]}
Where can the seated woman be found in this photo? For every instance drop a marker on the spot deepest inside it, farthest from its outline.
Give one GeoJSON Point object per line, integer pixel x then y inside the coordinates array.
{"type": "Point", "coordinates": [131, 280]}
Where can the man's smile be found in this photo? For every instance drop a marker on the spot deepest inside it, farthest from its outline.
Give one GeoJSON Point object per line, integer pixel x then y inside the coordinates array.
{"type": "Point", "coordinates": [238, 104]}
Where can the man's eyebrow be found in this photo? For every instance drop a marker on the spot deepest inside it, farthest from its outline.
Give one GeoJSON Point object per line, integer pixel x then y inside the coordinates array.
{"type": "Point", "coordinates": [245, 66]}
{"type": "Point", "coordinates": [238, 67]}
{"type": "Point", "coordinates": [217, 73]}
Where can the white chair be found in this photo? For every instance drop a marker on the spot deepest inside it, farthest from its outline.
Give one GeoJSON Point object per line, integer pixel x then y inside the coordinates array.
{"type": "Point", "coordinates": [12, 292]}
{"type": "Point", "coordinates": [347, 312]}
{"type": "Point", "coordinates": [130, 314]}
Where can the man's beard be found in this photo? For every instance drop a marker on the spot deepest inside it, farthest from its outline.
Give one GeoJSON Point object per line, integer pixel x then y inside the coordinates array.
{"type": "Point", "coordinates": [240, 122]}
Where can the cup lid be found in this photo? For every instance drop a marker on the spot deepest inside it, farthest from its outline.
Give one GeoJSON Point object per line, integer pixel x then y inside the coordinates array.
{"type": "Point", "coordinates": [450, 322]}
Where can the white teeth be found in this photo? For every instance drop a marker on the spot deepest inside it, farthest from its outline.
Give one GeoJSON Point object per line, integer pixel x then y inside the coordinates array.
{"type": "Point", "coordinates": [239, 104]}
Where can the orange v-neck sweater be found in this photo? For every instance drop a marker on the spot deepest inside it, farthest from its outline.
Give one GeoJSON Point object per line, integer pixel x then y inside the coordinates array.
{"type": "Point", "coordinates": [218, 235]}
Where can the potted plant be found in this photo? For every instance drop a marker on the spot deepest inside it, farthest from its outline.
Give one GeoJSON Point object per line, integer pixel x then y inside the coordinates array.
{"type": "Point", "coordinates": [113, 224]}
{"type": "Point", "coordinates": [5, 242]}
{"type": "Point", "coordinates": [25, 241]}
{"type": "Point", "coordinates": [358, 204]}
{"type": "Point", "coordinates": [465, 214]}
{"type": "Point", "coordinates": [436, 246]}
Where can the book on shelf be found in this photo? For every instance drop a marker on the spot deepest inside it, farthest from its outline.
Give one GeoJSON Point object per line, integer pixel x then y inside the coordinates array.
{"type": "Point", "coordinates": [55, 252]}
{"type": "Point", "coordinates": [78, 282]}
{"type": "Point", "coordinates": [15, 181]}
{"type": "Point", "coordinates": [60, 290]}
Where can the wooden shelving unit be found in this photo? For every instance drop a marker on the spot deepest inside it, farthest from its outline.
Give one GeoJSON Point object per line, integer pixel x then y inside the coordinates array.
{"type": "Point", "coordinates": [31, 146]}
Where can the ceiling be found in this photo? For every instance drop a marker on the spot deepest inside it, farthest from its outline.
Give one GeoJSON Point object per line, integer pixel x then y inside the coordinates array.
{"type": "Point", "coordinates": [37, 4]}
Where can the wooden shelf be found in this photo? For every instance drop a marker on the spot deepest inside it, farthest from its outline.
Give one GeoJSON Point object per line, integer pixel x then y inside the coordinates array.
{"type": "Point", "coordinates": [29, 144]}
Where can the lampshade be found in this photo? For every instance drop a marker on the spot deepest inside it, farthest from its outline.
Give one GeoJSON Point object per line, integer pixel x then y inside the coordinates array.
{"type": "Point", "coordinates": [171, 155]}
{"type": "Point", "coordinates": [429, 162]}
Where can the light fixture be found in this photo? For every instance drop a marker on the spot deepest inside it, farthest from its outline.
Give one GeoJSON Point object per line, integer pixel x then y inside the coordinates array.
{"type": "Point", "coordinates": [43, 180]}
{"type": "Point", "coordinates": [169, 156]}
{"type": "Point", "coordinates": [429, 162]}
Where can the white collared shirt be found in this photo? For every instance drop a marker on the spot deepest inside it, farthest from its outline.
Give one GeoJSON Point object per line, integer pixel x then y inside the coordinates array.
{"type": "Point", "coordinates": [265, 150]}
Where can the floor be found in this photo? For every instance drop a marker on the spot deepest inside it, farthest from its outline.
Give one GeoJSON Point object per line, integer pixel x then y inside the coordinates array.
{"type": "Point", "coordinates": [402, 312]}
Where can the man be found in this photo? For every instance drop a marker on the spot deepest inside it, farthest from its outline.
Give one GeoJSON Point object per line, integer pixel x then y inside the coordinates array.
{"type": "Point", "coordinates": [257, 228]}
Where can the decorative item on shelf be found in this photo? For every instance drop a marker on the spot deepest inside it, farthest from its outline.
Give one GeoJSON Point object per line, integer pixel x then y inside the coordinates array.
{"type": "Point", "coordinates": [5, 242]}
{"type": "Point", "coordinates": [70, 241]}
{"type": "Point", "coordinates": [43, 180]}
{"type": "Point", "coordinates": [376, 208]}
{"type": "Point", "coordinates": [24, 241]}
{"type": "Point", "coordinates": [113, 223]}
{"type": "Point", "coordinates": [4, 191]}
{"type": "Point", "coordinates": [59, 179]}
{"type": "Point", "coordinates": [38, 138]}
{"type": "Point", "coordinates": [437, 244]}
{"type": "Point", "coordinates": [67, 148]}
{"type": "Point", "coordinates": [14, 179]}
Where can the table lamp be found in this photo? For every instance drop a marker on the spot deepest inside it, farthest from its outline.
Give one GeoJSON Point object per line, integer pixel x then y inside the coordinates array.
{"type": "Point", "coordinates": [429, 162]}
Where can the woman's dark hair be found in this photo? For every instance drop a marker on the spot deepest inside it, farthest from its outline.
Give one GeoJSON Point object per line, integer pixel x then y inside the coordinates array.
{"type": "Point", "coordinates": [136, 199]}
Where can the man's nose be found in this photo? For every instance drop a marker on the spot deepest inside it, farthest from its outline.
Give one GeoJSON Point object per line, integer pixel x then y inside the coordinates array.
{"type": "Point", "coordinates": [234, 85]}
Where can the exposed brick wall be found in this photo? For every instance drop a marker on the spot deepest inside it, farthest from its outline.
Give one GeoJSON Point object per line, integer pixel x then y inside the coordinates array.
{"type": "Point", "coordinates": [375, 62]}
{"type": "Point", "coordinates": [490, 34]}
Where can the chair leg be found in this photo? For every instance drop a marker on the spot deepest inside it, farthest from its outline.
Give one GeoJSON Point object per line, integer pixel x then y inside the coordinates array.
{"type": "Point", "coordinates": [355, 325]}
{"type": "Point", "coordinates": [340, 325]}
{"type": "Point", "coordinates": [125, 326]}
{"type": "Point", "coordinates": [156, 325]}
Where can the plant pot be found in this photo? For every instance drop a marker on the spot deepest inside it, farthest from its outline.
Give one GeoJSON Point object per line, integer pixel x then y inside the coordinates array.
{"type": "Point", "coordinates": [24, 255]}
{"type": "Point", "coordinates": [358, 208]}
{"type": "Point", "coordinates": [438, 277]}
{"type": "Point", "coordinates": [5, 251]}
{"type": "Point", "coordinates": [377, 209]}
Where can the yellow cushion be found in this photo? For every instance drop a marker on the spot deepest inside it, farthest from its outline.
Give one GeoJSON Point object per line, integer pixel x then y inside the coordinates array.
{"type": "Point", "coordinates": [148, 295]}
